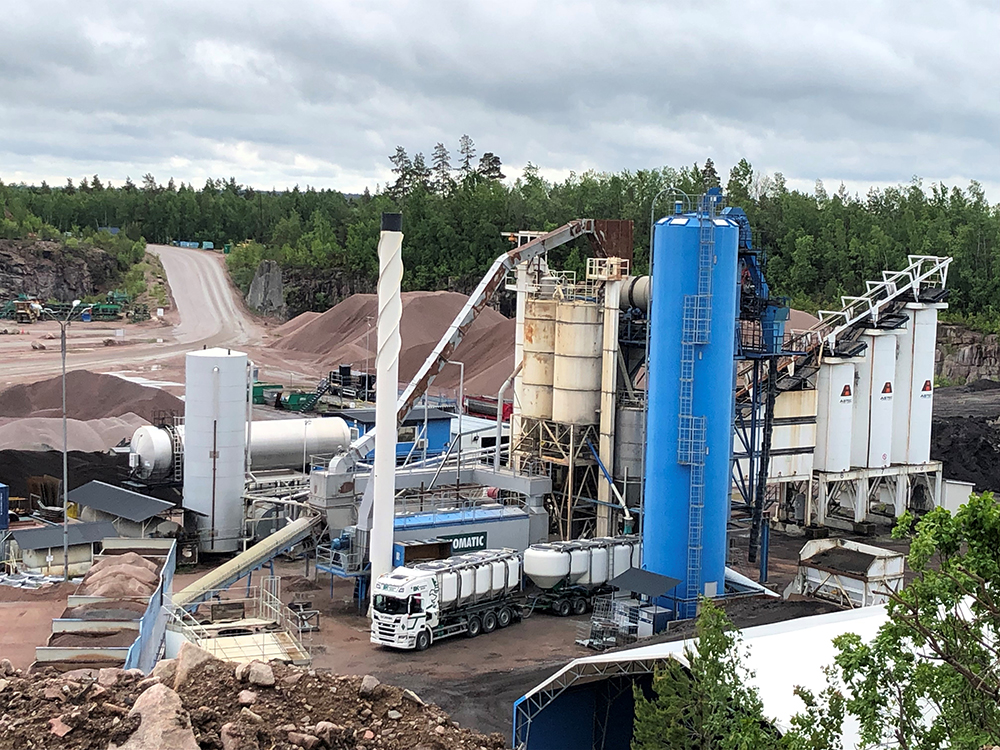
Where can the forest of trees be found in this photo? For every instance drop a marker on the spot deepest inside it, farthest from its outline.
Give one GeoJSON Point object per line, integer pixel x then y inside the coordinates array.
{"type": "Point", "coordinates": [819, 245]}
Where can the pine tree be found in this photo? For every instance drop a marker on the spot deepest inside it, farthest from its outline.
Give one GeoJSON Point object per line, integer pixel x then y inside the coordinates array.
{"type": "Point", "coordinates": [421, 175]}
{"type": "Point", "coordinates": [468, 151]}
{"type": "Point", "coordinates": [489, 166]}
{"type": "Point", "coordinates": [442, 180]}
{"type": "Point", "coordinates": [709, 175]}
{"type": "Point", "coordinates": [402, 167]}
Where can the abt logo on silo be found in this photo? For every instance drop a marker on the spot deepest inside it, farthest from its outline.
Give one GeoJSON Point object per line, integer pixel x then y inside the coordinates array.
{"type": "Point", "coordinates": [927, 391]}
{"type": "Point", "coordinates": [886, 392]}
{"type": "Point", "coordinates": [845, 395]}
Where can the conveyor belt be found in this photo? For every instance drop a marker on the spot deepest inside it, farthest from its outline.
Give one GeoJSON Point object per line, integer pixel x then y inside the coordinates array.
{"type": "Point", "coordinates": [228, 573]}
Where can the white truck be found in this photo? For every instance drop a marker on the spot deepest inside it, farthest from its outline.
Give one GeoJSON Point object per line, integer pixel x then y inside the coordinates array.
{"type": "Point", "coordinates": [414, 606]}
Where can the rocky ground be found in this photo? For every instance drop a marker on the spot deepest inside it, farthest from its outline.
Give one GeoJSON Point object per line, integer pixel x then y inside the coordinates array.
{"type": "Point", "coordinates": [197, 701]}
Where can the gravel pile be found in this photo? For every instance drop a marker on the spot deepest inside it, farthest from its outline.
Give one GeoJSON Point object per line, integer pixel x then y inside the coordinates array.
{"type": "Point", "coordinates": [197, 701]}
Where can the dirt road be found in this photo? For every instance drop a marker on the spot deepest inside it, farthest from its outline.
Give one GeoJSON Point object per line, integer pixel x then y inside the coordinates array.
{"type": "Point", "coordinates": [209, 310]}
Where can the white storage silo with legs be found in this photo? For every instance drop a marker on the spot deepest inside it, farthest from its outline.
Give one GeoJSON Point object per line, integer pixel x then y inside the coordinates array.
{"type": "Point", "coordinates": [911, 433]}
{"type": "Point", "coordinates": [215, 409]}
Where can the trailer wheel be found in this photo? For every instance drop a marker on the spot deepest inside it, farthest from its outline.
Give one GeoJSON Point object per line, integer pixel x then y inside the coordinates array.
{"type": "Point", "coordinates": [423, 640]}
{"type": "Point", "coordinates": [561, 607]}
{"type": "Point", "coordinates": [504, 616]}
{"type": "Point", "coordinates": [579, 606]}
{"type": "Point", "coordinates": [475, 627]}
{"type": "Point", "coordinates": [489, 622]}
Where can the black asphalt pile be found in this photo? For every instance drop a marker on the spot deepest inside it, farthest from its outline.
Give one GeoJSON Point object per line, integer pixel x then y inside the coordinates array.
{"type": "Point", "coordinates": [969, 446]}
{"type": "Point", "coordinates": [197, 701]}
{"type": "Point", "coordinates": [17, 466]}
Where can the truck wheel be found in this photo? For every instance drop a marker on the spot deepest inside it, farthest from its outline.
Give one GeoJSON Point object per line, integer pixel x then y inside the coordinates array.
{"type": "Point", "coordinates": [504, 616]}
{"type": "Point", "coordinates": [475, 627]}
{"type": "Point", "coordinates": [562, 607]}
{"type": "Point", "coordinates": [489, 622]}
{"type": "Point", "coordinates": [580, 606]}
{"type": "Point", "coordinates": [423, 640]}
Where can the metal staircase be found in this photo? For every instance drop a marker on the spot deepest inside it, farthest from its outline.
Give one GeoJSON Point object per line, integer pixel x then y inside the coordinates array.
{"type": "Point", "coordinates": [838, 331]}
{"type": "Point", "coordinates": [322, 388]}
{"type": "Point", "coordinates": [691, 449]}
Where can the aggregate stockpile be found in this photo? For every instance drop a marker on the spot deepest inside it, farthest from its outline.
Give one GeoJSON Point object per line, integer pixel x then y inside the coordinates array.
{"type": "Point", "coordinates": [481, 591]}
{"type": "Point", "coordinates": [198, 701]}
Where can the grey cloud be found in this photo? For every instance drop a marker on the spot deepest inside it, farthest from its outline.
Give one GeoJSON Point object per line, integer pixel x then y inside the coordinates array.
{"type": "Point", "coordinates": [854, 90]}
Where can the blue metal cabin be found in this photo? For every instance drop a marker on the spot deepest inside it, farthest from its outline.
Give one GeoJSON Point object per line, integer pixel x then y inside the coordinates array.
{"type": "Point", "coordinates": [691, 401]}
{"type": "Point", "coordinates": [438, 430]}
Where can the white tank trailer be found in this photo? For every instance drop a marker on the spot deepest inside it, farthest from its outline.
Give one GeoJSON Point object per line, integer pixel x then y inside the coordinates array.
{"type": "Point", "coordinates": [414, 606]}
{"type": "Point", "coordinates": [274, 444]}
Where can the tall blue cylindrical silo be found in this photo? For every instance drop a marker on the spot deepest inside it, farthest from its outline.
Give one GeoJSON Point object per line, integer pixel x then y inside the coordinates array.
{"type": "Point", "coordinates": [691, 400]}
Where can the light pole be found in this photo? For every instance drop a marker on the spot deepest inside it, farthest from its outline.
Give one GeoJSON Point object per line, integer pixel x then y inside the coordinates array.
{"type": "Point", "coordinates": [63, 322]}
{"type": "Point", "coordinates": [461, 408]}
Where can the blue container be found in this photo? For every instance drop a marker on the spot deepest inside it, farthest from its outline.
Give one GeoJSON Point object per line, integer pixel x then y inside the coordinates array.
{"type": "Point", "coordinates": [4, 507]}
{"type": "Point", "coordinates": [667, 521]}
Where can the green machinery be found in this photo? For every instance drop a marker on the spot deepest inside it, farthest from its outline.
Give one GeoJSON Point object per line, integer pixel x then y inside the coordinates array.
{"type": "Point", "coordinates": [116, 305]}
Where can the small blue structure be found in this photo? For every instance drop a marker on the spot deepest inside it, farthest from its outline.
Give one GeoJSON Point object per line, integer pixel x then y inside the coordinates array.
{"type": "Point", "coordinates": [691, 400]}
{"type": "Point", "coordinates": [411, 432]}
{"type": "Point", "coordinates": [4, 507]}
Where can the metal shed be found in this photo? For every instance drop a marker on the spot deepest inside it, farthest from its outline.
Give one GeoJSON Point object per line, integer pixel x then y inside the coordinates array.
{"type": "Point", "coordinates": [134, 515]}
{"type": "Point", "coordinates": [40, 550]}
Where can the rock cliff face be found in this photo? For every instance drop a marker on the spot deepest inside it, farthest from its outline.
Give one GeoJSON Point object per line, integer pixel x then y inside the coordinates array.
{"type": "Point", "coordinates": [49, 271]}
{"type": "Point", "coordinates": [964, 356]}
{"type": "Point", "coordinates": [266, 293]}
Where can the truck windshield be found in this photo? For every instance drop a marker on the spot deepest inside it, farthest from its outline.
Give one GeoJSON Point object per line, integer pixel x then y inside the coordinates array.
{"type": "Point", "coordinates": [389, 605]}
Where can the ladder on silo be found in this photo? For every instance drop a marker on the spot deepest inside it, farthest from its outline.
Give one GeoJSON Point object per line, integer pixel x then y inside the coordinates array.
{"type": "Point", "coordinates": [696, 331]}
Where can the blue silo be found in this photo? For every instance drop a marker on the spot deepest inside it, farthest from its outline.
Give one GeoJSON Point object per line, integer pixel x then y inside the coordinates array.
{"type": "Point", "coordinates": [691, 401]}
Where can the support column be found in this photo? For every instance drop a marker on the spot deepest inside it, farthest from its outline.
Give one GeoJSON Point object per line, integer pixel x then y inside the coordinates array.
{"type": "Point", "coordinates": [609, 389]}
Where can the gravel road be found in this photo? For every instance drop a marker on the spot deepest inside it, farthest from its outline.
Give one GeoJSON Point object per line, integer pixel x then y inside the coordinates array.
{"type": "Point", "coordinates": [210, 311]}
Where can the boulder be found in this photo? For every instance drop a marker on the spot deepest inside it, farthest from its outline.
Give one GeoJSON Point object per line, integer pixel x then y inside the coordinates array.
{"type": "Point", "coordinates": [369, 687]}
{"type": "Point", "coordinates": [166, 670]}
{"type": "Point", "coordinates": [261, 674]}
{"type": "Point", "coordinates": [190, 659]}
{"type": "Point", "coordinates": [308, 741]}
{"type": "Point", "coordinates": [164, 722]}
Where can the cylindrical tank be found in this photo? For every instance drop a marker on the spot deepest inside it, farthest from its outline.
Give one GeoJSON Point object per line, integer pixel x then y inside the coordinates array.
{"type": "Point", "coordinates": [274, 444]}
{"type": "Point", "coordinates": [628, 452]}
{"type": "Point", "coordinates": [576, 392]}
{"type": "Point", "coordinates": [914, 398]}
{"type": "Point", "coordinates": [583, 562]}
{"type": "Point", "coordinates": [871, 441]}
{"type": "Point", "coordinates": [834, 416]}
{"type": "Point", "coordinates": [476, 577]}
{"type": "Point", "coordinates": [709, 391]}
{"type": "Point", "coordinates": [539, 356]}
{"type": "Point", "coordinates": [215, 440]}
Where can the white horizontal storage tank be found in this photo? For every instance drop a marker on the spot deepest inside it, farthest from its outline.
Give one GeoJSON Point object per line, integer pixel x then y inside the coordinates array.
{"type": "Point", "coordinates": [215, 410]}
{"type": "Point", "coordinates": [281, 443]}
{"type": "Point", "coordinates": [539, 358]}
{"type": "Point", "coordinates": [476, 577]}
{"type": "Point", "coordinates": [274, 444]}
{"type": "Point", "coordinates": [576, 392]}
{"type": "Point", "coordinates": [581, 562]}
{"type": "Point", "coordinates": [914, 403]}
{"type": "Point", "coordinates": [834, 416]}
{"type": "Point", "coordinates": [871, 444]}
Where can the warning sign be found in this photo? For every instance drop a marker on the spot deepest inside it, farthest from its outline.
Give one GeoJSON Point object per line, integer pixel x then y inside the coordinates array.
{"type": "Point", "coordinates": [887, 388]}
{"type": "Point", "coordinates": [846, 393]}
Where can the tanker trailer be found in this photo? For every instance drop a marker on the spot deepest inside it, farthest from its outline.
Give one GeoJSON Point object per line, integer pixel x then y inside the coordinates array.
{"type": "Point", "coordinates": [568, 575]}
{"type": "Point", "coordinates": [467, 594]}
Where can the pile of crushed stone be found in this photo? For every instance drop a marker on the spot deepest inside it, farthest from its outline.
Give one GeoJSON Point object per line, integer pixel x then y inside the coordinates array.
{"type": "Point", "coordinates": [90, 396]}
{"type": "Point", "coordinates": [198, 701]}
{"type": "Point", "coordinates": [347, 334]}
{"type": "Point", "coordinates": [121, 576]}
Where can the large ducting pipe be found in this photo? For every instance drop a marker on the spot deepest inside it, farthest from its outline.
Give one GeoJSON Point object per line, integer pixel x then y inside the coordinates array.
{"type": "Point", "coordinates": [635, 293]}
{"type": "Point", "coordinates": [390, 312]}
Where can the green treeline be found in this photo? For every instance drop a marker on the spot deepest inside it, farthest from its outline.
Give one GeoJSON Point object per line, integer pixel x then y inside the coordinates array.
{"type": "Point", "coordinates": [818, 245]}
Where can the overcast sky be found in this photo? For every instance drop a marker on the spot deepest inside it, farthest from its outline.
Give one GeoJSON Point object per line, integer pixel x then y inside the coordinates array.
{"type": "Point", "coordinates": [281, 93]}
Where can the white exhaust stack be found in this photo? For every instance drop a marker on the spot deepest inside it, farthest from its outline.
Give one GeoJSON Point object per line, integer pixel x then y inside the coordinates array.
{"type": "Point", "coordinates": [390, 311]}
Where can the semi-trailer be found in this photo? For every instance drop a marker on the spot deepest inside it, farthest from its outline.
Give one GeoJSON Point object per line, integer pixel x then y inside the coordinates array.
{"type": "Point", "coordinates": [414, 606]}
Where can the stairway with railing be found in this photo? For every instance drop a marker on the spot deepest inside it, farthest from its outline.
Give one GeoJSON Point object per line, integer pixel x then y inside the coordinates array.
{"type": "Point", "coordinates": [691, 448]}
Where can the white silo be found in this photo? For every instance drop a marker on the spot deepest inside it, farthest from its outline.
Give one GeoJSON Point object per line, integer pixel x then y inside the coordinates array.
{"type": "Point", "coordinates": [834, 415]}
{"type": "Point", "coordinates": [871, 444]}
{"type": "Point", "coordinates": [215, 408]}
{"type": "Point", "coordinates": [535, 394]}
{"type": "Point", "coordinates": [576, 393]}
{"type": "Point", "coordinates": [911, 431]}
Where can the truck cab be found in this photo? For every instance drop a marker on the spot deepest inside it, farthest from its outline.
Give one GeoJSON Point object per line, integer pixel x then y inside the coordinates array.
{"type": "Point", "coordinates": [404, 609]}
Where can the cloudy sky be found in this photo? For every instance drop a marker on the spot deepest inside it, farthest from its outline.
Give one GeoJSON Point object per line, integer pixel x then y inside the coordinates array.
{"type": "Point", "coordinates": [281, 93]}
